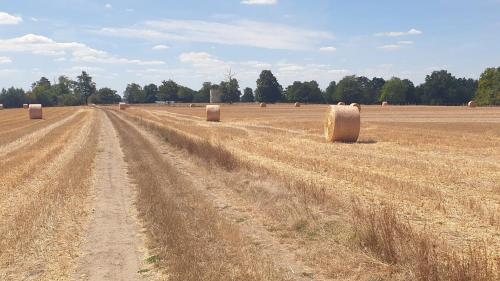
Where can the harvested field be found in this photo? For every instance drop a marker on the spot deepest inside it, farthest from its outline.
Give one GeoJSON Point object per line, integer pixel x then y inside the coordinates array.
{"type": "Point", "coordinates": [159, 193]}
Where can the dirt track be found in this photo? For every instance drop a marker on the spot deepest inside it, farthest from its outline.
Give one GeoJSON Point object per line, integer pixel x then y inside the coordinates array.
{"type": "Point", "coordinates": [113, 247]}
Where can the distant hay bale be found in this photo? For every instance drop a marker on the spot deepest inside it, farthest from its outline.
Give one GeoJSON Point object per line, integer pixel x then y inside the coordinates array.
{"type": "Point", "coordinates": [342, 123]}
{"type": "Point", "coordinates": [35, 111]}
{"type": "Point", "coordinates": [25, 105]}
{"type": "Point", "coordinates": [263, 104]}
{"type": "Point", "coordinates": [1, 106]}
{"type": "Point", "coordinates": [472, 104]}
{"type": "Point", "coordinates": [341, 103]}
{"type": "Point", "coordinates": [297, 104]}
{"type": "Point", "coordinates": [356, 105]}
{"type": "Point", "coordinates": [385, 103]}
{"type": "Point", "coordinates": [122, 106]}
{"type": "Point", "coordinates": [191, 105]}
{"type": "Point", "coordinates": [213, 113]}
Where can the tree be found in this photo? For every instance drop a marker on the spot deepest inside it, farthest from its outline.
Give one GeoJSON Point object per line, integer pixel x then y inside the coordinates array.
{"type": "Point", "coordinates": [248, 95]}
{"type": "Point", "coordinates": [185, 94]}
{"type": "Point", "coordinates": [395, 91]}
{"type": "Point", "coordinates": [439, 88]}
{"type": "Point", "coordinates": [353, 89]}
{"type": "Point", "coordinates": [168, 91]}
{"type": "Point", "coordinates": [377, 85]}
{"type": "Point", "coordinates": [42, 93]}
{"type": "Point", "coordinates": [107, 96]}
{"type": "Point", "coordinates": [306, 92]}
{"type": "Point", "coordinates": [85, 87]}
{"type": "Point", "coordinates": [13, 97]}
{"type": "Point", "coordinates": [151, 93]}
{"type": "Point", "coordinates": [268, 89]}
{"type": "Point", "coordinates": [488, 92]}
{"type": "Point", "coordinates": [203, 95]}
{"type": "Point", "coordinates": [230, 91]}
{"type": "Point", "coordinates": [329, 93]}
{"type": "Point", "coordinates": [134, 94]}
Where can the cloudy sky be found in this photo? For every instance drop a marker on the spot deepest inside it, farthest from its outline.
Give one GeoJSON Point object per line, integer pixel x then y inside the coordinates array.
{"type": "Point", "coordinates": [193, 41]}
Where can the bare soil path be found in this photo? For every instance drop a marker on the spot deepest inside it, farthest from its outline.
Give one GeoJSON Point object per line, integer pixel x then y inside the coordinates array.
{"type": "Point", "coordinates": [113, 248]}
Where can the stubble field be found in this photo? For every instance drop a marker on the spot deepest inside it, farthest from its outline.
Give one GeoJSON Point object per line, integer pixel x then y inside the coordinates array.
{"type": "Point", "coordinates": [257, 196]}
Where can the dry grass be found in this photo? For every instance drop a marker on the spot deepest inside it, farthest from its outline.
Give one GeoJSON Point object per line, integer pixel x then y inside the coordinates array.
{"type": "Point", "coordinates": [190, 237]}
{"type": "Point", "coordinates": [382, 232]}
{"type": "Point", "coordinates": [409, 162]}
{"type": "Point", "coordinates": [40, 238]}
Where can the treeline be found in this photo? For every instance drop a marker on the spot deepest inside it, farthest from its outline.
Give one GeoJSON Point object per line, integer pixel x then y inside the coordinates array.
{"type": "Point", "coordinates": [439, 88]}
{"type": "Point", "coordinates": [64, 92]}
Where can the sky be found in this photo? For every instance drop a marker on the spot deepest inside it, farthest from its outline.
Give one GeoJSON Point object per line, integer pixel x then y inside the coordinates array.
{"type": "Point", "coordinates": [190, 42]}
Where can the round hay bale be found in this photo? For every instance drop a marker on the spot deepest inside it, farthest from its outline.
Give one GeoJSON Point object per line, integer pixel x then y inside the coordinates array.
{"type": "Point", "coordinates": [297, 104]}
{"type": "Point", "coordinates": [341, 103]}
{"type": "Point", "coordinates": [472, 104]}
{"type": "Point", "coordinates": [263, 104]}
{"type": "Point", "coordinates": [1, 106]}
{"type": "Point", "coordinates": [342, 123]}
{"type": "Point", "coordinates": [385, 103]}
{"type": "Point", "coordinates": [356, 105]}
{"type": "Point", "coordinates": [25, 105]}
{"type": "Point", "coordinates": [191, 105]}
{"type": "Point", "coordinates": [122, 106]}
{"type": "Point", "coordinates": [35, 111]}
{"type": "Point", "coordinates": [213, 113]}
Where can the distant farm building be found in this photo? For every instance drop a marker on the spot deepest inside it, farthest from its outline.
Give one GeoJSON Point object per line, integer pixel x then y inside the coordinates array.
{"type": "Point", "coordinates": [215, 96]}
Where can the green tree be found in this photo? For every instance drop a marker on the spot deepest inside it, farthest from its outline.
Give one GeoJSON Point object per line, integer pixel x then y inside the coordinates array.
{"type": "Point", "coordinates": [107, 96]}
{"type": "Point", "coordinates": [377, 84]}
{"type": "Point", "coordinates": [203, 95]}
{"type": "Point", "coordinates": [268, 89]}
{"type": "Point", "coordinates": [395, 91]}
{"type": "Point", "coordinates": [185, 94]}
{"type": "Point", "coordinates": [168, 91]}
{"type": "Point", "coordinates": [352, 89]}
{"type": "Point", "coordinates": [13, 97]}
{"type": "Point", "coordinates": [305, 92]}
{"type": "Point", "coordinates": [329, 94]}
{"type": "Point", "coordinates": [247, 95]}
{"type": "Point", "coordinates": [230, 90]}
{"type": "Point", "coordinates": [134, 94]}
{"type": "Point", "coordinates": [151, 92]}
{"type": "Point", "coordinates": [85, 87]}
{"type": "Point", "coordinates": [42, 92]}
{"type": "Point", "coordinates": [488, 92]}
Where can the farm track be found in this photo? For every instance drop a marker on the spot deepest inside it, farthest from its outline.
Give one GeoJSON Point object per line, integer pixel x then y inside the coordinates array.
{"type": "Point", "coordinates": [39, 240]}
{"type": "Point", "coordinates": [454, 194]}
{"type": "Point", "coordinates": [113, 248]}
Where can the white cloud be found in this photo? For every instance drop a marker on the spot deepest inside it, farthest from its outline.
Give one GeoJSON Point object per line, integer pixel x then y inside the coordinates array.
{"type": "Point", "coordinates": [160, 47]}
{"type": "Point", "coordinates": [60, 59]}
{"type": "Point", "coordinates": [129, 10]}
{"type": "Point", "coordinates": [242, 32]}
{"type": "Point", "coordinates": [6, 18]}
{"type": "Point", "coordinates": [390, 47]}
{"type": "Point", "coordinates": [328, 49]}
{"type": "Point", "coordinates": [108, 6]}
{"type": "Point", "coordinates": [412, 31]}
{"type": "Point", "coordinates": [5, 60]}
{"type": "Point", "coordinates": [259, 2]}
{"type": "Point", "coordinates": [34, 19]}
{"type": "Point", "coordinates": [41, 45]}
{"type": "Point", "coordinates": [396, 46]}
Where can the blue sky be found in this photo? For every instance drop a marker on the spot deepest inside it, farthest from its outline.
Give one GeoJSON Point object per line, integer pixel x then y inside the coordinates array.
{"type": "Point", "coordinates": [120, 42]}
